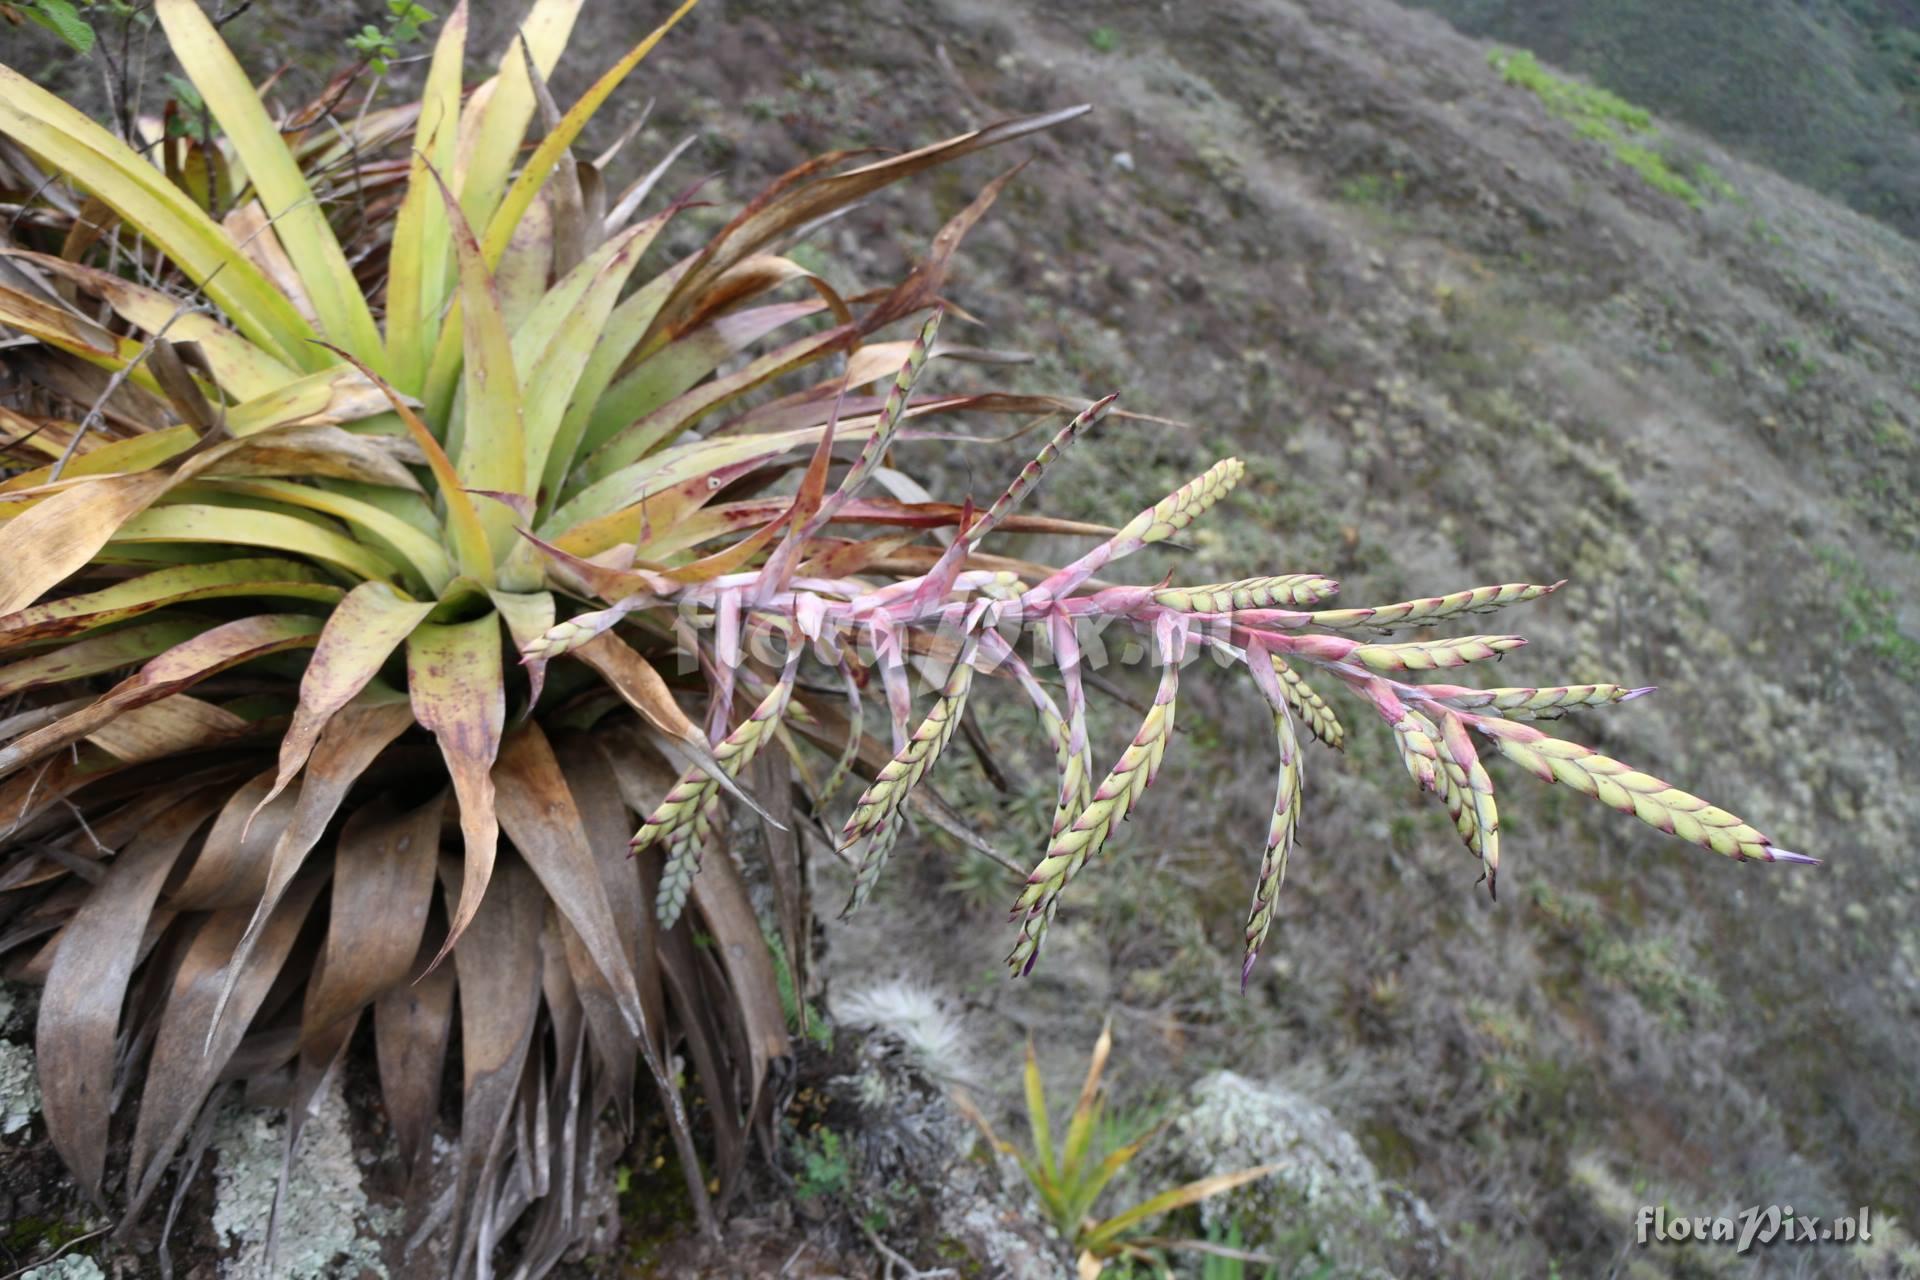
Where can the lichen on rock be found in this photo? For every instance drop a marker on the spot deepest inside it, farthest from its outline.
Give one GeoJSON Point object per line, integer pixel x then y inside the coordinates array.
{"type": "Point", "coordinates": [19, 1086]}
{"type": "Point", "coordinates": [72, 1267]}
{"type": "Point", "coordinates": [1327, 1200]}
{"type": "Point", "coordinates": [329, 1227]}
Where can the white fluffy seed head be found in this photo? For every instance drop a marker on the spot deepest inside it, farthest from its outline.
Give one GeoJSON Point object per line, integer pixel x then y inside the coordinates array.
{"type": "Point", "coordinates": [919, 1015]}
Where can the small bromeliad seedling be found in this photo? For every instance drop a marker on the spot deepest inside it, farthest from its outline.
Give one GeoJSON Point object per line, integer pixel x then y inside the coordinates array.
{"type": "Point", "coordinates": [1071, 1175]}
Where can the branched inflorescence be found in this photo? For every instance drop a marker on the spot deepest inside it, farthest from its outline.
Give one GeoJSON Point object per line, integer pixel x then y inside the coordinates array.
{"type": "Point", "coordinates": [960, 619]}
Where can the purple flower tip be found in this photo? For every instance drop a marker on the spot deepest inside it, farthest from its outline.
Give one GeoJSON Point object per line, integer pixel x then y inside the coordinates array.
{"type": "Point", "coordinates": [1788, 855]}
{"type": "Point", "coordinates": [1246, 971]}
{"type": "Point", "coordinates": [1631, 694]}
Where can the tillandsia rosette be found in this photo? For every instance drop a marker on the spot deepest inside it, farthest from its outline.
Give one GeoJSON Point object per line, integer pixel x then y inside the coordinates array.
{"type": "Point", "coordinates": [380, 500]}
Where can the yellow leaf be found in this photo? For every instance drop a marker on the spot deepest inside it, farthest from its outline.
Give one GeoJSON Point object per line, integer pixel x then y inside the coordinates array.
{"type": "Point", "coordinates": [534, 174]}
{"type": "Point", "coordinates": [418, 265]}
{"type": "Point", "coordinates": [141, 195]}
{"type": "Point", "coordinates": [195, 522]}
{"type": "Point", "coordinates": [298, 218]}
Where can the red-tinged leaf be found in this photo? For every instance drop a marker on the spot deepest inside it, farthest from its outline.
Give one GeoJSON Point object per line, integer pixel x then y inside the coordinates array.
{"type": "Point", "coordinates": [731, 559]}
{"type": "Point", "coordinates": [383, 870]}
{"type": "Point", "coordinates": [178, 668]}
{"type": "Point", "coordinates": [904, 515]}
{"type": "Point", "coordinates": [80, 1008]}
{"type": "Point", "coordinates": [455, 682]}
{"type": "Point", "coordinates": [498, 963]}
{"type": "Point", "coordinates": [183, 584]}
{"type": "Point", "coordinates": [61, 534]}
{"type": "Point", "coordinates": [922, 286]}
{"type": "Point", "coordinates": [593, 577]}
{"type": "Point", "coordinates": [361, 634]}
{"type": "Point", "coordinates": [845, 559]}
{"type": "Point", "coordinates": [789, 204]}
{"type": "Point", "coordinates": [191, 1050]}
{"type": "Point", "coordinates": [411, 1026]}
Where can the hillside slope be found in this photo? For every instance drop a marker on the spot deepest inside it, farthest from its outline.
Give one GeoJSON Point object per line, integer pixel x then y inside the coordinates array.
{"type": "Point", "coordinates": [1456, 342]}
{"type": "Point", "coordinates": [1826, 91]}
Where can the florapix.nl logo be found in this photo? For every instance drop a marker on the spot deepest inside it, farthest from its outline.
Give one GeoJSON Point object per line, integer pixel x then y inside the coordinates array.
{"type": "Point", "coordinates": [1761, 1225]}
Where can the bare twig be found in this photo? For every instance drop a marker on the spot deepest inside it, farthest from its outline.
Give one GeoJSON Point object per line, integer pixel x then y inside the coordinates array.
{"type": "Point", "coordinates": [908, 1270]}
{"type": "Point", "coordinates": [95, 1234]}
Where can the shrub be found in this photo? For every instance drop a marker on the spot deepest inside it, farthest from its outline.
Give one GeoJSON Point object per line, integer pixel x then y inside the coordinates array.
{"type": "Point", "coordinates": [395, 483]}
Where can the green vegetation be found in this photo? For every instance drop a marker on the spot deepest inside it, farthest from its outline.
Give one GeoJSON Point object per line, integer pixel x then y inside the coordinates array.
{"type": "Point", "coordinates": [826, 1170]}
{"type": "Point", "coordinates": [802, 1017]}
{"type": "Point", "coordinates": [1070, 1176]}
{"type": "Point", "coordinates": [381, 45]}
{"type": "Point", "coordinates": [1222, 1267]}
{"type": "Point", "coordinates": [57, 16]}
{"type": "Point", "coordinates": [1652, 968]}
{"type": "Point", "coordinates": [1868, 616]}
{"type": "Point", "coordinates": [1597, 114]}
{"type": "Point", "coordinates": [1372, 190]}
{"type": "Point", "coordinates": [1104, 39]}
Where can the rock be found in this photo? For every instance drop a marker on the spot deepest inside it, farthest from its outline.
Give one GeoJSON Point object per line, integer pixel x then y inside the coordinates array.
{"type": "Point", "coordinates": [19, 1089]}
{"type": "Point", "coordinates": [1123, 161]}
{"type": "Point", "coordinates": [1327, 1203]}
{"type": "Point", "coordinates": [71, 1267]}
{"type": "Point", "coordinates": [328, 1226]}
{"type": "Point", "coordinates": [911, 1135]}
{"type": "Point", "coordinates": [19, 1086]}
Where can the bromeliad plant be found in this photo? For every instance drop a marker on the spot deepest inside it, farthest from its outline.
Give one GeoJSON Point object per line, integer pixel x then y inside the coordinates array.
{"type": "Point", "coordinates": [396, 482]}
{"type": "Point", "coordinates": [1069, 1174]}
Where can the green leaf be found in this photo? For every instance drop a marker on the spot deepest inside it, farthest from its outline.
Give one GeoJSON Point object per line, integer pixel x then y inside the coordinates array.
{"type": "Point", "coordinates": [1167, 1201]}
{"type": "Point", "coordinates": [492, 447]}
{"type": "Point", "coordinates": [60, 18]}
{"type": "Point", "coordinates": [1038, 1122]}
{"type": "Point", "coordinates": [534, 174]}
{"type": "Point", "coordinates": [469, 536]}
{"type": "Point", "coordinates": [196, 522]}
{"type": "Point", "coordinates": [184, 584]}
{"type": "Point", "coordinates": [418, 265]}
{"type": "Point", "coordinates": [566, 345]}
{"type": "Point", "coordinates": [509, 107]}
{"type": "Point", "coordinates": [424, 553]}
{"type": "Point", "coordinates": [142, 196]}
{"type": "Point", "coordinates": [299, 221]}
